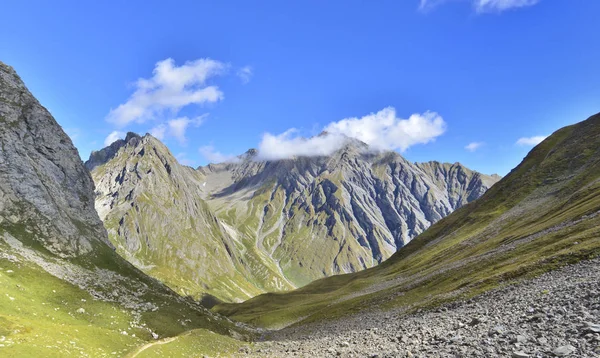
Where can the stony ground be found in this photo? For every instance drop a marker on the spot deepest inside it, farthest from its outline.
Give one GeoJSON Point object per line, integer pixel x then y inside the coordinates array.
{"type": "Point", "coordinates": [556, 314]}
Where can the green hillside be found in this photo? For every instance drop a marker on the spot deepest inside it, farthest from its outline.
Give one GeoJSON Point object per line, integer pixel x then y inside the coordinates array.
{"type": "Point", "coordinates": [542, 215]}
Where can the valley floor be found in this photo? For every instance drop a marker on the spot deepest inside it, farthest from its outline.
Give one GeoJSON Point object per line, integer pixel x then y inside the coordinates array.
{"type": "Point", "coordinates": [556, 314]}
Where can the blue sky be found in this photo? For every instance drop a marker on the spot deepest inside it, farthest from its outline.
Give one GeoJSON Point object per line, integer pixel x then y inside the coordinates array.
{"type": "Point", "coordinates": [472, 81]}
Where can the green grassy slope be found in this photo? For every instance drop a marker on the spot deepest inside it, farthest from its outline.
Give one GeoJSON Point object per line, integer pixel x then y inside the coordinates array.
{"type": "Point", "coordinates": [93, 306]}
{"type": "Point", "coordinates": [540, 216]}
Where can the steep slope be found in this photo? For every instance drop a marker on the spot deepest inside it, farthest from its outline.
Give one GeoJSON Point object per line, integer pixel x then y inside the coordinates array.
{"type": "Point", "coordinates": [235, 230]}
{"type": "Point", "coordinates": [543, 215]}
{"type": "Point", "coordinates": [322, 216]}
{"type": "Point", "coordinates": [153, 209]}
{"type": "Point", "coordinates": [65, 292]}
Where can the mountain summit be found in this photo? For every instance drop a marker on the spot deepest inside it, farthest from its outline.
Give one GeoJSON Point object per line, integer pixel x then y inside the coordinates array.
{"type": "Point", "coordinates": [234, 230]}
{"type": "Point", "coordinates": [544, 214]}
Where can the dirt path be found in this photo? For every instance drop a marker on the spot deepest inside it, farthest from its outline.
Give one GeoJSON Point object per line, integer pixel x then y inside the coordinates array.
{"type": "Point", "coordinates": [157, 343]}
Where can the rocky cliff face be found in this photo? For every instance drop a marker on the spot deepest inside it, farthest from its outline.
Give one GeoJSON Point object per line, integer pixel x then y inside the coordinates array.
{"type": "Point", "coordinates": [44, 186]}
{"type": "Point", "coordinates": [343, 213]}
{"type": "Point", "coordinates": [66, 291]}
{"type": "Point", "coordinates": [265, 226]}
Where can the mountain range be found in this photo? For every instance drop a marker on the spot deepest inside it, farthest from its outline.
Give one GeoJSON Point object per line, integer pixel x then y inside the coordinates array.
{"type": "Point", "coordinates": [543, 215]}
{"type": "Point", "coordinates": [230, 231]}
{"type": "Point", "coordinates": [403, 257]}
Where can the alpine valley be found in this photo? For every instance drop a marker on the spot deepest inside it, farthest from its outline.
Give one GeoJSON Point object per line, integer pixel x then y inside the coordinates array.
{"type": "Point", "coordinates": [356, 254]}
{"type": "Point", "coordinates": [230, 231]}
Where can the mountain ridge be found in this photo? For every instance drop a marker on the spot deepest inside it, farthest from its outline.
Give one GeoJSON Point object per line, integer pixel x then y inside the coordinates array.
{"type": "Point", "coordinates": [543, 215]}
{"type": "Point", "coordinates": [65, 290]}
{"type": "Point", "coordinates": [258, 210]}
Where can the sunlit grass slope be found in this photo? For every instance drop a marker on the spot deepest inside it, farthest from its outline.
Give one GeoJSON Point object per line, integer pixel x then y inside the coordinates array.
{"type": "Point", "coordinates": [93, 306]}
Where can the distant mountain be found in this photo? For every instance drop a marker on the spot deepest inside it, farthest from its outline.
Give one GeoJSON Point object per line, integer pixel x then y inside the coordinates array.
{"type": "Point", "coordinates": [234, 230]}
{"type": "Point", "coordinates": [544, 214]}
{"type": "Point", "coordinates": [65, 292]}
{"type": "Point", "coordinates": [156, 216]}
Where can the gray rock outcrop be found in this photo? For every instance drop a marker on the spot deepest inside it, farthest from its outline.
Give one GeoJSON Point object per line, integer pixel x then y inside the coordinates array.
{"type": "Point", "coordinates": [44, 187]}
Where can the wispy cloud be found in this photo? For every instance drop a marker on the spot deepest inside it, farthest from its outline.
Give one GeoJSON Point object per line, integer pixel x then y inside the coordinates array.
{"type": "Point", "coordinates": [112, 137]}
{"type": "Point", "coordinates": [471, 147]}
{"type": "Point", "coordinates": [530, 141]}
{"type": "Point", "coordinates": [245, 74]}
{"type": "Point", "coordinates": [383, 130]}
{"type": "Point", "coordinates": [169, 89]}
{"type": "Point", "coordinates": [214, 156]}
{"type": "Point", "coordinates": [482, 6]}
{"type": "Point", "coordinates": [176, 128]}
{"type": "Point", "coordinates": [159, 131]}
{"type": "Point", "coordinates": [183, 159]}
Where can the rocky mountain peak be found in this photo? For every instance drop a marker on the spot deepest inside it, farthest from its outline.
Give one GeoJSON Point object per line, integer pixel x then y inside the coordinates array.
{"type": "Point", "coordinates": [44, 186]}
{"type": "Point", "coordinates": [252, 152]}
{"type": "Point", "coordinates": [102, 156]}
{"type": "Point", "coordinates": [130, 136]}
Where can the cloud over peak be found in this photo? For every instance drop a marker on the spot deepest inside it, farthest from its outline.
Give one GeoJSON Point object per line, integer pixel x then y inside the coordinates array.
{"type": "Point", "coordinates": [289, 144]}
{"type": "Point", "coordinates": [382, 130]}
{"type": "Point", "coordinates": [170, 88]}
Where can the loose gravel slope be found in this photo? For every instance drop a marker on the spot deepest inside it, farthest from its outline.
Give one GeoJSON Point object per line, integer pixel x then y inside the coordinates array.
{"type": "Point", "coordinates": [555, 314]}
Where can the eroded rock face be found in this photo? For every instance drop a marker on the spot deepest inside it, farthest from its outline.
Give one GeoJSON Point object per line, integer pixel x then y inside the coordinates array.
{"type": "Point", "coordinates": [44, 187]}
{"type": "Point", "coordinates": [154, 212]}
{"type": "Point", "coordinates": [237, 229]}
{"type": "Point", "coordinates": [102, 156]}
{"type": "Point", "coordinates": [342, 213]}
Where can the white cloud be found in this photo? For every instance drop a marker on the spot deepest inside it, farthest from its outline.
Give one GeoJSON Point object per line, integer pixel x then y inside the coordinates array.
{"type": "Point", "coordinates": [381, 131]}
{"type": "Point", "coordinates": [482, 6]}
{"type": "Point", "coordinates": [170, 88]}
{"type": "Point", "coordinates": [288, 145]}
{"type": "Point", "coordinates": [176, 128]}
{"type": "Point", "coordinates": [471, 147]}
{"type": "Point", "coordinates": [112, 137]}
{"type": "Point", "coordinates": [385, 131]}
{"type": "Point", "coordinates": [182, 158]}
{"type": "Point", "coordinates": [245, 74]}
{"type": "Point", "coordinates": [213, 156]}
{"type": "Point", "coordinates": [159, 132]}
{"type": "Point", "coordinates": [530, 141]}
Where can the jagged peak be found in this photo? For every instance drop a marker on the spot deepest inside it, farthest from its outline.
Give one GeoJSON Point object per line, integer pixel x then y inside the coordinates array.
{"type": "Point", "coordinates": [132, 139]}
{"type": "Point", "coordinates": [251, 153]}
{"type": "Point", "coordinates": [131, 135]}
{"type": "Point", "coordinates": [7, 68]}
